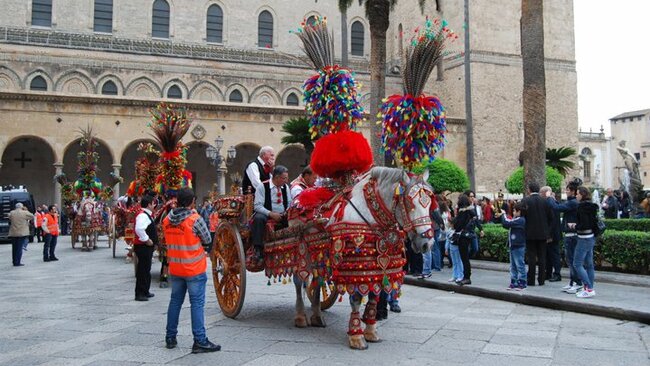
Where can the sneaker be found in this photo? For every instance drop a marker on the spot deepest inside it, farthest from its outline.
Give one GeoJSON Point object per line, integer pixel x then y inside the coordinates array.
{"type": "Point", "coordinates": [586, 293]}
{"type": "Point", "coordinates": [425, 275]}
{"type": "Point", "coordinates": [395, 308]}
{"type": "Point", "coordinates": [451, 280]}
{"type": "Point", "coordinates": [567, 286]}
{"type": "Point", "coordinates": [574, 289]}
{"type": "Point", "coordinates": [170, 342]}
{"type": "Point", "coordinates": [511, 287]}
{"type": "Point", "coordinates": [205, 347]}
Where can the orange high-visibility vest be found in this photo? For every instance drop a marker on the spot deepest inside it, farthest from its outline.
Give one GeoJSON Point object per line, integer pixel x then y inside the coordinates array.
{"type": "Point", "coordinates": [185, 253]}
{"type": "Point", "coordinates": [39, 219]}
{"type": "Point", "coordinates": [214, 221]}
{"type": "Point", "coordinates": [52, 224]}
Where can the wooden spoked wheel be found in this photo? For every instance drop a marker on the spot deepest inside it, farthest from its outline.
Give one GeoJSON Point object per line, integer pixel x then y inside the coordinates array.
{"type": "Point", "coordinates": [229, 269]}
{"type": "Point", "coordinates": [326, 302]}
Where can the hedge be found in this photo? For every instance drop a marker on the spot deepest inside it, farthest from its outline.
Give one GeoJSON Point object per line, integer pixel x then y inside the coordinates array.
{"type": "Point", "coordinates": [628, 224]}
{"type": "Point", "coordinates": [621, 250]}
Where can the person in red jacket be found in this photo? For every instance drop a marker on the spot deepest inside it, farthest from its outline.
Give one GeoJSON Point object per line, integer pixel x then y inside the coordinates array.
{"type": "Point", "coordinates": [50, 227]}
{"type": "Point", "coordinates": [186, 234]}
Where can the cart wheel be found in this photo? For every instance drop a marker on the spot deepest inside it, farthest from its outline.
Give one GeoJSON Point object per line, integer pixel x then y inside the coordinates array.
{"type": "Point", "coordinates": [229, 269]}
{"type": "Point", "coordinates": [326, 302]}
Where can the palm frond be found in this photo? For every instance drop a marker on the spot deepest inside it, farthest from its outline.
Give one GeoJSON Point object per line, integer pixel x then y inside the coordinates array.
{"type": "Point", "coordinates": [556, 158]}
{"type": "Point", "coordinates": [297, 130]}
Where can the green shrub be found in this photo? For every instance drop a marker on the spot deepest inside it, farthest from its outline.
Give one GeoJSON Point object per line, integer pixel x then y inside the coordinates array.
{"type": "Point", "coordinates": [445, 175]}
{"type": "Point", "coordinates": [515, 183]}
{"type": "Point", "coordinates": [624, 250]}
{"type": "Point", "coordinates": [628, 224]}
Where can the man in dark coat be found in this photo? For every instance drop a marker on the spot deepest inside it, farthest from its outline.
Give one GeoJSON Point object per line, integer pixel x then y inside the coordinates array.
{"type": "Point", "coordinates": [539, 220]}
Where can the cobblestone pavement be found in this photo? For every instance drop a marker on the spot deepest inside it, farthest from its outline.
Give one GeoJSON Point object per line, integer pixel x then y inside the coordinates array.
{"type": "Point", "coordinates": [80, 311]}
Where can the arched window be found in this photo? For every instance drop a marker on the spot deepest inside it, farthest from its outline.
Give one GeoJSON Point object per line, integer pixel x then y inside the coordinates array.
{"type": "Point", "coordinates": [265, 30]}
{"type": "Point", "coordinates": [587, 170]}
{"type": "Point", "coordinates": [586, 151]}
{"type": "Point", "coordinates": [160, 19]}
{"type": "Point", "coordinates": [174, 92]}
{"type": "Point", "coordinates": [42, 13]}
{"type": "Point", "coordinates": [356, 39]}
{"type": "Point", "coordinates": [103, 16]}
{"type": "Point", "coordinates": [38, 83]}
{"type": "Point", "coordinates": [292, 99]}
{"type": "Point", "coordinates": [311, 20]}
{"type": "Point", "coordinates": [215, 24]}
{"type": "Point", "coordinates": [235, 97]}
{"type": "Point", "coordinates": [109, 88]}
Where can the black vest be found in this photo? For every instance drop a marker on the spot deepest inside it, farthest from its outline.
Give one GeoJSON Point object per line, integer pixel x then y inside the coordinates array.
{"type": "Point", "coordinates": [267, 196]}
{"type": "Point", "coordinates": [246, 183]}
{"type": "Point", "coordinates": [151, 230]}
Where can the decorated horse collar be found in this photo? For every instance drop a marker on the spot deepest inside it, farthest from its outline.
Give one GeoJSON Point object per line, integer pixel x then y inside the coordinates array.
{"type": "Point", "coordinates": [384, 216]}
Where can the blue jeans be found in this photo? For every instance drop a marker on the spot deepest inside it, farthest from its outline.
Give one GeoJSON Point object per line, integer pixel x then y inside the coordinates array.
{"type": "Point", "coordinates": [474, 247]}
{"type": "Point", "coordinates": [517, 266]}
{"type": "Point", "coordinates": [457, 262]}
{"type": "Point", "coordinates": [17, 246]}
{"type": "Point", "coordinates": [195, 287]}
{"type": "Point", "coordinates": [49, 246]}
{"type": "Point", "coordinates": [583, 261]}
{"type": "Point", "coordinates": [436, 255]}
{"type": "Point", "coordinates": [569, 249]}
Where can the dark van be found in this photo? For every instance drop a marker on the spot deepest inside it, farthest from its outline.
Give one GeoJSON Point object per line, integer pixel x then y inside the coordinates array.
{"type": "Point", "coordinates": [8, 200]}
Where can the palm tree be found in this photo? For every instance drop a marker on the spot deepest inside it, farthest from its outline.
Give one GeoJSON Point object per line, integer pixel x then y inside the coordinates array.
{"type": "Point", "coordinates": [298, 133]}
{"type": "Point", "coordinates": [557, 158]}
{"type": "Point", "coordinates": [378, 13]}
{"type": "Point", "coordinates": [534, 92]}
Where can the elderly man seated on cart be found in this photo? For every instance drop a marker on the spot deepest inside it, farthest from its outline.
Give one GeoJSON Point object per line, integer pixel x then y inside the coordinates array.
{"type": "Point", "coordinates": [271, 203]}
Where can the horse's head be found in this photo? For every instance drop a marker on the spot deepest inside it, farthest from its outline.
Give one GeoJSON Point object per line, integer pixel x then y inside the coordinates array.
{"type": "Point", "coordinates": [415, 199]}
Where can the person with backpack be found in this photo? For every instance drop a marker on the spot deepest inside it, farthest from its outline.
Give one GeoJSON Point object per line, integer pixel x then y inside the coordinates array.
{"type": "Point", "coordinates": [586, 227]}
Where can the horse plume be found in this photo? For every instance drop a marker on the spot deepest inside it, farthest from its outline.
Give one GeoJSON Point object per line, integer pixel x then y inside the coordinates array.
{"type": "Point", "coordinates": [414, 124]}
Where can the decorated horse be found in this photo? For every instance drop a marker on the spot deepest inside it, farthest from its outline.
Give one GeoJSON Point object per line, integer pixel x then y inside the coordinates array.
{"type": "Point", "coordinates": [364, 244]}
{"type": "Point", "coordinates": [88, 223]}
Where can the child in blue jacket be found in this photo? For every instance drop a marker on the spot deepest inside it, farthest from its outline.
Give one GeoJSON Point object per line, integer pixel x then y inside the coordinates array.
{"type": "Point", "coordinates": [517, 245]}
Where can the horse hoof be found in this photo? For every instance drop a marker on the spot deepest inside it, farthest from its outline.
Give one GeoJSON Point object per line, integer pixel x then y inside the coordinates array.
{"type": "Point", "coordinates": [317, 321]}
{"type": "Point", "coordinates": [370, 334]}
{"type": "Point", "coordinates": [357, 342]}
{"type": "Point", "coordinates": [300, 321]}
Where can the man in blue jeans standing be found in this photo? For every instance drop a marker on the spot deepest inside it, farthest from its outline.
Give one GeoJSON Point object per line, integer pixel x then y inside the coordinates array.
{"type": "Point", "coordinates": [186, 235]}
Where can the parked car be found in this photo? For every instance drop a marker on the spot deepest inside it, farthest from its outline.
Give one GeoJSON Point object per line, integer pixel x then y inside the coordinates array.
{"type": "Point", "coordinates": [9, 196]}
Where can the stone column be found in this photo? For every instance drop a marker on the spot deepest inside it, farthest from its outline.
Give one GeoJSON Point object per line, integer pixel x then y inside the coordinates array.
{"type": "Point", "coordinates": [116, 189]}
{"type": "Point", "coordinates": [57, 187]}
{"type": "Point", "coordinates": [221, 180]}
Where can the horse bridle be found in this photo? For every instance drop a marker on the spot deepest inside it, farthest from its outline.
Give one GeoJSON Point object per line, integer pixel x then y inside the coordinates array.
{"type": "Point", "coordinates": [416, 190]}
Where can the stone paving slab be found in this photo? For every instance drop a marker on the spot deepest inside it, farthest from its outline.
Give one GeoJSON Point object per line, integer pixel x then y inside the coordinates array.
{"type": "Point", "coordinates": [80, 311]}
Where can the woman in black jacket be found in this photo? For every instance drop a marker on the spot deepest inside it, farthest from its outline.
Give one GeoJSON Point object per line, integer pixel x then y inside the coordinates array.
{"type": "Point", "coordinates": [583, 259]}
{"type": "Point", "coordinates": [464, 225]}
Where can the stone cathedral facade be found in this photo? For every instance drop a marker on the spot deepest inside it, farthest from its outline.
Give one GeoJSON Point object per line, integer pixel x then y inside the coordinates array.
{"type": "Point", "coordinates": [66, 64]}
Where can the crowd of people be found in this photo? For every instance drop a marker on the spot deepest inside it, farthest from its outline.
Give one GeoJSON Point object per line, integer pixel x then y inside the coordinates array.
{"type": "Point", "coordinates": [44, 222]}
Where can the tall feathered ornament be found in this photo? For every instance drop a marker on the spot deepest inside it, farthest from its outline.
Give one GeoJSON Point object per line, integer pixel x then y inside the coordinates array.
{"type": "Point", "coordinates": [331, 102]}
{"type": "Point", "coordinates": [146, 170]}
{"type": "Point", "coordinates": [169, 124]}
{"type": "Point", "coordinates": [87, 183]}
{"type": "Point", "coordinates": [414, 124]}
{"type": "Point", "coordinates": [330, 96]}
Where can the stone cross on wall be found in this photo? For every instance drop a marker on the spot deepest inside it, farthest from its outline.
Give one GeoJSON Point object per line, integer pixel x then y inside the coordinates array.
{"type": "Point", "coordinates": [23, 159]}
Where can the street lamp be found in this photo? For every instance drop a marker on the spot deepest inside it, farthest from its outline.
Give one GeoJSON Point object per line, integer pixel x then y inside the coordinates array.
{"type": "Point", "coordinates": [213, 152]}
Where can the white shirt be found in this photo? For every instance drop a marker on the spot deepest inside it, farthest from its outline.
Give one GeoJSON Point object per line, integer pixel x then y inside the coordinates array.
{"type": "Point", "coordinates": [254, 174]}
{"type": "Point", "coordinates": [141, 223]}
{"type": "Point", "coordinates": [296, 190]}
{"type": "Point", "coordinates": [275, 206]}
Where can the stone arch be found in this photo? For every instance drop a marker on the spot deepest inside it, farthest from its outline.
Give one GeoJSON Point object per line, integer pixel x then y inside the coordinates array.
{"type": "Point", "coordinates": [242, 89]}
{"type": "Point", "coordinates": [9, 80]}
{"type": "Point", "coordinates": [289, 91]}
{"type": "Point", "coordinates": [204, 174]}
{"type": "Point", "coordinates": [128, 157]}
{"type": "Point", "coordinates": [178, 83]}
{"type": "Point", "coordinates": [265, 95]}
{"type": "Point", "coordinates": [143, 87]}
{"type": "Point", "coordinates": [246, 152]}
{"type": "Point", "coordinates": [74, 82]}
{"type": "Point", "coordinates": [310, 14]}
{"type": "Point", "coordinates": [38, 72]}
{"type": "Point", "coordinates": [114, 79]}
{"type": "Point", "coordinates": [28, 160]}
{"type": "Point", "coordinates": [105, 163]}
{"type": "Point", "coordinates": [206, 91]}
{"type": "Point", "coordinates": [294, 157]}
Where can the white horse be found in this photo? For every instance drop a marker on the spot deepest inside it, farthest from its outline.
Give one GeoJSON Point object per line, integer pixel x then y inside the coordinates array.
{"type": "Point", "coordinates": [89, 215]}
{"type": "Point", "coordinates": [381, 206]}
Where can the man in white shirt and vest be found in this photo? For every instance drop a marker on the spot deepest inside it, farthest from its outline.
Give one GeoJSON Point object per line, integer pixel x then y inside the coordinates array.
{"type": "Point", "coordinates": [271, 202]}
{"type": "Point", "coordinates": [146, 238]}
{"type": "Point", "coordinates": [259, 170]}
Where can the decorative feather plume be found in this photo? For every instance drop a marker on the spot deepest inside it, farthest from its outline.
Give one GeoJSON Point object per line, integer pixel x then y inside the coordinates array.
{"type": "Point", "coordinates": [331, 95]}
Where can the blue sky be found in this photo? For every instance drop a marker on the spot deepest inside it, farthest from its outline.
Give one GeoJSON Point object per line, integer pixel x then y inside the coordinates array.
{"type": "Point", "coordinates": [613, 59]}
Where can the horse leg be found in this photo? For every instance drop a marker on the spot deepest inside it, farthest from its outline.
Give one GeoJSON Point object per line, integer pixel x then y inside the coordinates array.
{"type": "Point", "coordinates": [317, 319]}
{"type": "Point", "coordinates": [300, 319]}
{"type": "Point", "coordinates": [369, 317]}
{"type": "Point", "coordinates": [355, 332]}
